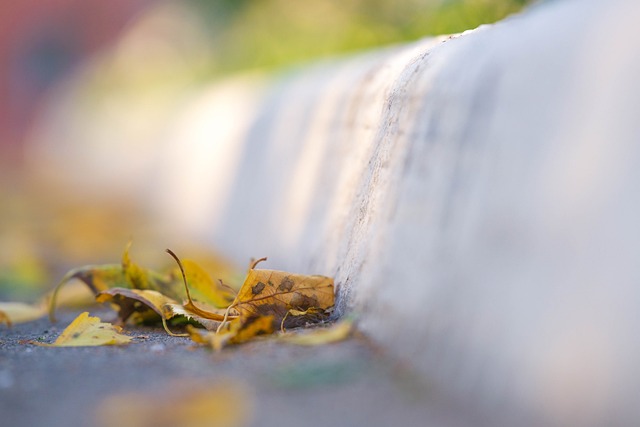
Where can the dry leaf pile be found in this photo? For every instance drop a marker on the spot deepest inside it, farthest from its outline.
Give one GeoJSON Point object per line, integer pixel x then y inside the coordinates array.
{"type": "Point", "coordinates": [268, 301]}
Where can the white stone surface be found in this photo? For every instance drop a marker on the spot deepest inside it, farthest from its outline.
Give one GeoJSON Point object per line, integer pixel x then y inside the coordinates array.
{"type": "Point", "coordinates": [477, 199]}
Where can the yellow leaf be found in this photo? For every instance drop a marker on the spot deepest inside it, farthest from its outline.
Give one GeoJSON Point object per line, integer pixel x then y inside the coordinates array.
{"type": "Point", "coordinates": [319, 336]}
{"type": "Point", "coordinates": [199, 336]}
{"type": "Point", "coordinates": [204, 289]}
{"type": "Point", "coordinates": [242, 330]}
{"type": "Point", "coordinates": [185, 404]}
{"type": "Point", "coordinates": [18, 312]}
{"type": "Point", "coordinates": [88, 331]}
{"type": "Point", "coordinates": [203, 312]}
{"type": "Point", "coordinates": [239, 331]}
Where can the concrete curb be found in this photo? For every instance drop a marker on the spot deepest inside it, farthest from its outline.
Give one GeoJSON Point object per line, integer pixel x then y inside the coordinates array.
{"type": "Point", "coordinates": [474, 197]}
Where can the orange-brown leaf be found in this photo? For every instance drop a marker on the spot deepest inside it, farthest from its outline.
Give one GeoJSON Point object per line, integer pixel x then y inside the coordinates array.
{"type": "Point", "coordinates": [272, 292]}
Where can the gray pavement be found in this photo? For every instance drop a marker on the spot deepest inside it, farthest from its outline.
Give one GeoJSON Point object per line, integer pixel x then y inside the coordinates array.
{"type": "Point", "coordinates": [343, 384]}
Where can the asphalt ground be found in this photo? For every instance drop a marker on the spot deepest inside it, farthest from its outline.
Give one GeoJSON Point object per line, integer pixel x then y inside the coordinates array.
{"type": "Point", "coordinates": [349, 383]}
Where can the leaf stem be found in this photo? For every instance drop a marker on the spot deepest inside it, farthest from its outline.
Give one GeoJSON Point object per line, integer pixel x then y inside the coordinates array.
{"type": "Point", "coordinates": [184, 276]}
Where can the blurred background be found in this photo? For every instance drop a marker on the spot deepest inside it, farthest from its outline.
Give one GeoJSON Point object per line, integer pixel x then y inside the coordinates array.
{"type": "Point", "coordinates": [81, 76]}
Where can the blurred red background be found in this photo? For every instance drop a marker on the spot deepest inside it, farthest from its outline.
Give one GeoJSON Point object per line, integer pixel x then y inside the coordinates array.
{"type": "Point", "coordinates": [41, 41]}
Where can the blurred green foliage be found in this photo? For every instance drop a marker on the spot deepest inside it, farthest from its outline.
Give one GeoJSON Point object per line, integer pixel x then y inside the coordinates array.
{"type": "Point", "coordinates": [273, 33]}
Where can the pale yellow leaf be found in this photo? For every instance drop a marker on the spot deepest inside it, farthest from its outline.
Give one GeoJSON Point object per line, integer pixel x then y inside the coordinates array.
{"type": "Point", "coordinates": [88, 331]}
{"type": "Point", "coordinates": [18, 312]}
{"type": "Point", "coordinates": [319, 336]}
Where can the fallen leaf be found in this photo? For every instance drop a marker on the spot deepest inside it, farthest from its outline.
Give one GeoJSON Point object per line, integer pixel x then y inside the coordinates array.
{"type": "Point", "coordinates": [267, 300]}
{"type": "Point", "coordinates": [18, 312]}
{"type": "Point", "coordinates": [271, 295]}
{"type": "Point", "coordinates": [185, 404]}
{"type": "Point", "coordinates": [128, 275]}
{"type": "Point", "coordinates": [238, 332]}
{"type": "Point", "coordinates": [319, 336]}
{"type": "Point", "coordinates": [88, 331]}
{"type": "Point", "coordinates": [275, 293]}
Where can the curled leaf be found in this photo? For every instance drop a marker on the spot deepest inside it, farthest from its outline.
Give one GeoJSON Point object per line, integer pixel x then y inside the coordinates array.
{"type": "Point", "coordinates": [97, 277]}
{"type": "Point", "coordinates": [130, 301]}
{"type": "Point", "coordinates": [88, 331]}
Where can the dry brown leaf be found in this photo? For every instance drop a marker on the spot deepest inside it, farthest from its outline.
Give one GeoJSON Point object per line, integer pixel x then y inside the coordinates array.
{"type": "Point", "coordinates": [276, 293]}
{"type": "Point", "coordinates": [268, 300]}
{"type": "Point", "coordinates": [184, 404]}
